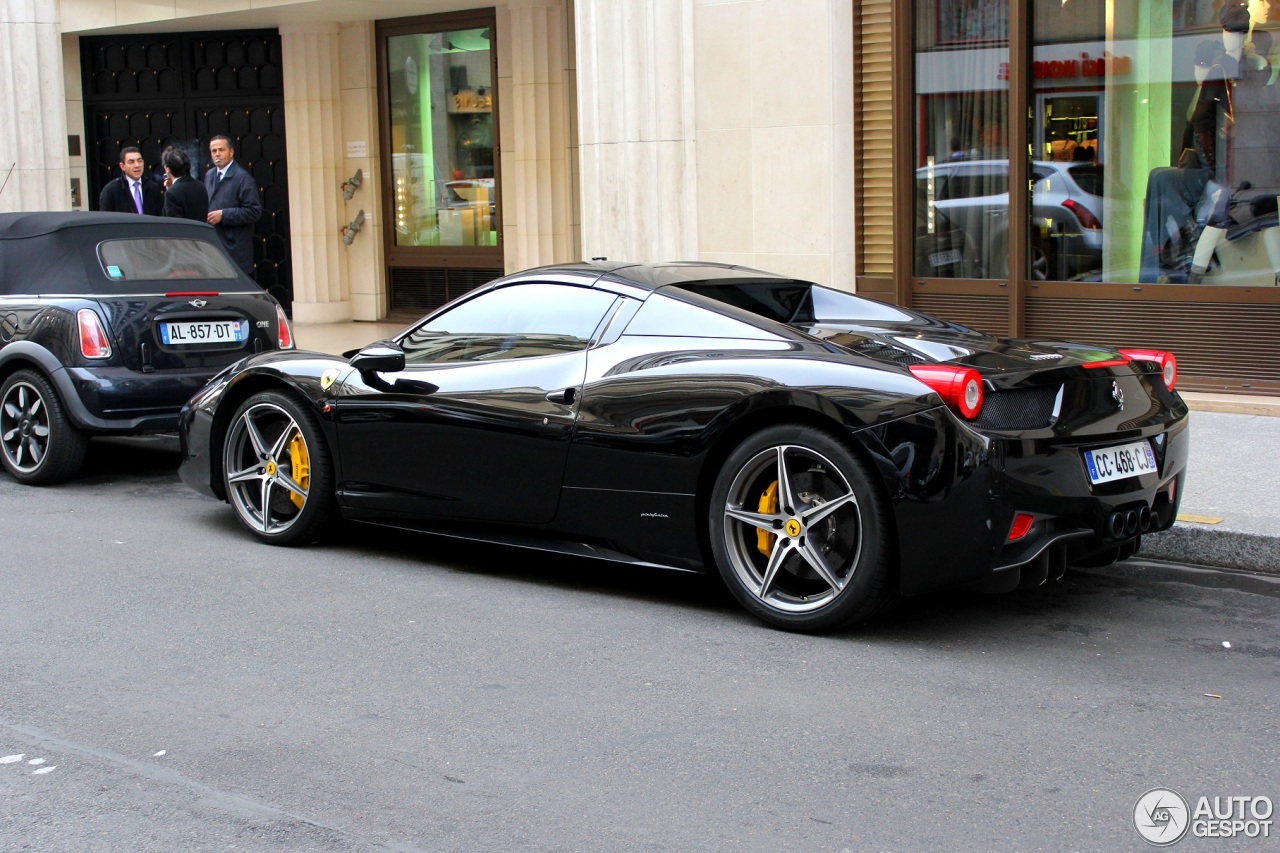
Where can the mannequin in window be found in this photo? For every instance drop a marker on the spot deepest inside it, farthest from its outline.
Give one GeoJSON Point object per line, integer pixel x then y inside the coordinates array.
{"type": "Point", "coordinates": [1232, 124]}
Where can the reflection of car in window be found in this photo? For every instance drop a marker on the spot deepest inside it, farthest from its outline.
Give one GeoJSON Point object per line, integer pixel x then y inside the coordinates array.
{"type": "Point", "coordinates": [971, 198]}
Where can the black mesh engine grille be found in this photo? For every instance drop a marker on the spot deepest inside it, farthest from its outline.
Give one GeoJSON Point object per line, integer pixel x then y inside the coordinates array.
{"type": "Point", "coordinates": [1019, 408]}
{"type": "Point", "coordinates": [884, 352]}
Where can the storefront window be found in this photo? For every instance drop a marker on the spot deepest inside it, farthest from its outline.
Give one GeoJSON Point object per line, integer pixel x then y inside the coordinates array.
{"type": "Point", "coordinates": [962, 138]}
{"type": "Point", "coordinates": [441, 105]}
{"type": "Point", "coordinates": [1156, 141]}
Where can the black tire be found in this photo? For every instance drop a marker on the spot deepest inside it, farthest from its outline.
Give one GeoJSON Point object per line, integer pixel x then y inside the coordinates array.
{"type": "Point", "coordinates": [790, 561]}
{"type": "Point", "coordinates": [38, 443]}
{"type": "Point", "coordinates": [277, 470]}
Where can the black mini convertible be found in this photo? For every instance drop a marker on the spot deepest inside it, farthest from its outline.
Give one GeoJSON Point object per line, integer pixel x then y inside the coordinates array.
{"type": "Point", "coordinates": [109, 322]}
{"type": "Point", "coordinates": [825, 453]}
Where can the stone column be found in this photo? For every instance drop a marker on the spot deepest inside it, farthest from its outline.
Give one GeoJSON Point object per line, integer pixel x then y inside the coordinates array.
{"type": "Point", "coordinates": [535, 125]}
{"type": "Point", "coordinates": [313, 122]}
{"type": "Point", "coordinates": [366, 260]}
{"type": "Point", "coordinates": [636, 129]}
{"type": "Point", "coordinates": [33, 122]}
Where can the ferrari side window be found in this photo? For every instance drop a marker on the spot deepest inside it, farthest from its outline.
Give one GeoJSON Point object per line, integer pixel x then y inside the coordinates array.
{"type": "Point", "coordinates": [520, 321]}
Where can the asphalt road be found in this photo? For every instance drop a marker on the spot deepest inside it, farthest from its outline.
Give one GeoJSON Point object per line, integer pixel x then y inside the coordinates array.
{"type": "Point", "coordinates": [166, 683]}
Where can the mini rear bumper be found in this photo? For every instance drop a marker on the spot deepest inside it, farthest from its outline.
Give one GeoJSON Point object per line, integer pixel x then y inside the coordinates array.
{"type": "Point", "coordinates": [117, 400]}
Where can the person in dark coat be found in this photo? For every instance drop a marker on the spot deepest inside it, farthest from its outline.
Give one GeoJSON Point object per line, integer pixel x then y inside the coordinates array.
{"type": "Point", "coordinates": [234, 204]}
{"type": "Point", "coordinates": [132, 192]}
{"type": "Point", "coordinates": [185, 198]}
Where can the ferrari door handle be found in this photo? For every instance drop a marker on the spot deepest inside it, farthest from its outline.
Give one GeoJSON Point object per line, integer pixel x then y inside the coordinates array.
{"type": "Point", "coordinates": [564, 395]}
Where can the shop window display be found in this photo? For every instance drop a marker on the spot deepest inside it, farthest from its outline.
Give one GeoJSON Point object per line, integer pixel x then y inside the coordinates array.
{"type": "Point", "coordinates": [962, 145]}
{"type": "Point", "coordinates": [1181, 104]}
{"type": "Point", "coordinates": [440, 96]}
{"type": "Point", "coordinates": [1154, 141]}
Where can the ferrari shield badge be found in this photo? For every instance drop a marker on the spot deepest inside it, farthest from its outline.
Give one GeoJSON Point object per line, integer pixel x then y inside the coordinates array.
{"type": "Point", "coordinates": [328, 378]}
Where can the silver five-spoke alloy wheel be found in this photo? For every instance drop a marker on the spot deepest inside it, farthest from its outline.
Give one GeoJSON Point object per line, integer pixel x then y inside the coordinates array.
{"type": "Point", "coordinates": [268, 468]}
{"type": "Point", "coordinates": [793, 528]}
{"type": "Point", "coordinates": [799, 530]}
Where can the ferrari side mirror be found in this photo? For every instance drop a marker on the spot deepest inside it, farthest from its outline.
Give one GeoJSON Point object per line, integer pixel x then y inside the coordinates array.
{"type": "Point", "coordinates": [379, 357]}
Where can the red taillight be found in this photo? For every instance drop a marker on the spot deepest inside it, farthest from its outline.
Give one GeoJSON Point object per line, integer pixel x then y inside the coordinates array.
{"type": "Point", "coordinates": [284, 334]}
{"type": "Point", "coordinates": [1168, 364]}
{"type": "Point", "coordinates": [1021, 526]}
{"type": "Point", "coordinates": [1084, 214]}
{"type": "Point", "coordinates": [1112, 362]}
{"type": "Point", "coordinates": [959, 387]}
{"type": "Point", "coordinates": [93, 338]}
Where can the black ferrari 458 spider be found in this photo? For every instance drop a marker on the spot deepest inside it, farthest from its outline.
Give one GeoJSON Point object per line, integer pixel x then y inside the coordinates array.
{"type": "Point", "coordinates": [825, 453]}
{"type": "Point", "coordinates": [109, 322]}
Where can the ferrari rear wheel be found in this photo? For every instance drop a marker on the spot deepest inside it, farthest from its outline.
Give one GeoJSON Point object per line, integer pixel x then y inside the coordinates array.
{"type": "Point", "coordinates": [38, 443]}
{"type": "Point", "coordinates": [799, 532]}
{"type": "Point", "coordinates": [277, 470]}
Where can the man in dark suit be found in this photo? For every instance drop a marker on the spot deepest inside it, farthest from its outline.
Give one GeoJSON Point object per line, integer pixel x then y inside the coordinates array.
{"type": "Point", "coordinates": [132, 192]}
{"type": "Point", "coordinates": [234, 205]}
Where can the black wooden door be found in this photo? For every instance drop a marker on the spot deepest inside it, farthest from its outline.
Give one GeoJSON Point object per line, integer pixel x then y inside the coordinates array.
{"type": "Point", "coordinates": [157, 90]}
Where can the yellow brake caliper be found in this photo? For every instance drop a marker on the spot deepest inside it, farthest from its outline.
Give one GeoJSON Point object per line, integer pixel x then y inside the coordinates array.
{"type": "Point", "coordinates": [768, 504]}
{"type": "Point", "coordinates": [300, 466]}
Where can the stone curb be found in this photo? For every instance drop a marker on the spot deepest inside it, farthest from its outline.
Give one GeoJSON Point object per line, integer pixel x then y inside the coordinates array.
{"type": "Point", "coordinates": [1187, 542]}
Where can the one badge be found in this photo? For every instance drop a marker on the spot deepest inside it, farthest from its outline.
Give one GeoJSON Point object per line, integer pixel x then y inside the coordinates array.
{"type": "Point", "coordinates": [328, 378]}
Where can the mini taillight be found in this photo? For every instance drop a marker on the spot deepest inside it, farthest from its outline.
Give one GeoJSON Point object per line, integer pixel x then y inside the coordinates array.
{"type": "Point", "coordinates": [959, 387]}
{"type": "Point", "coordinates": [1021, 526]}
{"type": "Point", "coordinates": [94, 342]}
{"type": "Point", "coordinates": [1084, 214]}
{"type": "Point", "coordinates": [1168, 364]}
{"type": "Point", "coordinates": [285, 334]}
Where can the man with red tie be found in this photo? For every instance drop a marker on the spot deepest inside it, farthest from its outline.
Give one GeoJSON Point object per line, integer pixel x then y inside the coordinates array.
{"type": "Point", "coordinates": [132, 192]}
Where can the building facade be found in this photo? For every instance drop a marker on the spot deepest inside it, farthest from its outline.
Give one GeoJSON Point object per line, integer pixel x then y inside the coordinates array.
{"type": "Point", "coordinates": [408, 151]}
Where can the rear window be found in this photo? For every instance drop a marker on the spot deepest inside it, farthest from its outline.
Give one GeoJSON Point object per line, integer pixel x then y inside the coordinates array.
{"type": "Point", "coordinates": [780, 301]}
{"type": "Point", "coordinates": [156, 259]}
{"type": "Point", "coordinates": [1089, 178]}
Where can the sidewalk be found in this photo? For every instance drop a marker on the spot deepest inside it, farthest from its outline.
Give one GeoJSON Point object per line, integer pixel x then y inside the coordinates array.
{"type": "Point", "coordinates": [1230, 512]}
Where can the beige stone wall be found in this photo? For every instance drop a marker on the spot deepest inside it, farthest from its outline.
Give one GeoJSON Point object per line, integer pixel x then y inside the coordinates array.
{"type": "Point", "coordinates": [535, 126]}
{"type": "Point", "coordinates": [720, 130]}
{"type": "Point", "coordinates": [33, 131]}
{"type": "Point", "coordinates": [366, 271]}
{"type": "Point", "coordinates": [636, 129]}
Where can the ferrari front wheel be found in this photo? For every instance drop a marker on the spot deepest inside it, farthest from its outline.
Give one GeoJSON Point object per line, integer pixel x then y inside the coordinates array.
{"type": "Point", "coordinates": [277, 470]}
{"type": "Point", "coordinates": [799, 532]}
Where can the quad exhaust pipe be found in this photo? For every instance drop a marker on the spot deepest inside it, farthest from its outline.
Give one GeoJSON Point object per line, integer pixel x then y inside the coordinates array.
{"type": "Point", "coordinates": [1124, 523]}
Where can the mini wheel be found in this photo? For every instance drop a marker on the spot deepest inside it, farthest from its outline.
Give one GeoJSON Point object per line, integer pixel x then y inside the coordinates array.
{"type": "Point", "coordinates": [38, 443]}
{"type": "Point", "coordinates": [277, 470]}
{"type": "Point", "coordinates": [799, 532]}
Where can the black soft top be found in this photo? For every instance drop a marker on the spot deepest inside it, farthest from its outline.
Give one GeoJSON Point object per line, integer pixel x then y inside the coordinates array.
{"type": "Point", "coordinates": [56, 252]}
{"type": "Point", "coordinates": [25, 226]}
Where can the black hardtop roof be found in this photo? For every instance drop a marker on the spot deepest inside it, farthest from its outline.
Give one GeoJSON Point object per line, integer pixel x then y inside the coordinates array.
{"type": "Point", "coordinates": [652, 276]}
{"type": "Point", "coordinates": [20, 226]}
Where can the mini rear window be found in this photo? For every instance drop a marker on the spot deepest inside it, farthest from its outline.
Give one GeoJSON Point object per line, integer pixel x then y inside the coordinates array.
{"type": "Point", "coordinates": [154, 259]}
